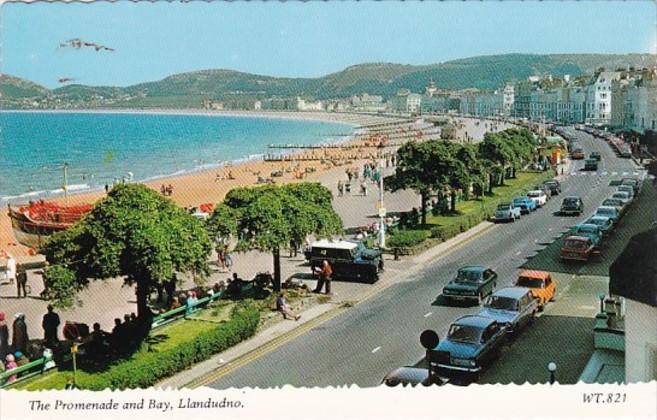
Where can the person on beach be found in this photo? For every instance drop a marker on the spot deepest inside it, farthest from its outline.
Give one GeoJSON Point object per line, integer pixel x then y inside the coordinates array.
{"type": "Point", "coordinates": [324, 278]}
{"type": "Point", "coordinates": [163, 190]}
{"type": "Point", "coordinates": [284, 308]}
{"type": "Point", "coordinates": [50, 323]}
{"type": "Point", "coordinates": [170, 190]}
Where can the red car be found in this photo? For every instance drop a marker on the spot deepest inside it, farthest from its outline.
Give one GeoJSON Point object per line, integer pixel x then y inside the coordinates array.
{"type": "Point", "coordinates": [577, 248]}
{"type": "Point", "coordinates": [577, 154]}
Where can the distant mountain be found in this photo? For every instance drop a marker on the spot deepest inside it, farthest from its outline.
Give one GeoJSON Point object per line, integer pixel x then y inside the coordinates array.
{"type": "Point", "coordinates": [189, 89]}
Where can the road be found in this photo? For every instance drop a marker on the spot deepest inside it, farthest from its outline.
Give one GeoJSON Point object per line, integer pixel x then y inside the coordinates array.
{"type": "Point", "coordinates": [365, 342]}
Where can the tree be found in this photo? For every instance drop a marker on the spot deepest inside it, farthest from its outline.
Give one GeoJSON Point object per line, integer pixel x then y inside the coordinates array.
{"type": "Point", "coordinates": [495, 149]}
{"type": "Point", "coordinates": [477, 171]}
{"type": "Point", "coordinates": [136, 233]}
{"type": "Point", "coordinates": [269, 218]}
{"type": "Point", "coordinates": [424, 168]}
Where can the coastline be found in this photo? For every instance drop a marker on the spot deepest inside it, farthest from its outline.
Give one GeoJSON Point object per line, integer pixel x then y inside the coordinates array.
{"type": "Point", "coordinates": [211, 184]}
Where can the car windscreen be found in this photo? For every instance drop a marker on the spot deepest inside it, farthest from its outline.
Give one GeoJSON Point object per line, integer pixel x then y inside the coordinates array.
{"type": "Point", "coordinates": [501, 302]}
{"type": "Point", "coordinates": [467, 276]}
{"type": "Point", "coordinates": [503, 207]}
{"type": "Point", "coordinates": [464, 333]}
{"type": "Point", "coordinates": [570, 202]}
{"type": "Point", "coordinates": [609, 212]}
{"type": "Point", "coordinates": [530, 282]}
{"type": "Point", "coordinates": [576, 245]}
{"type": "Point", "coordinates": [620, 196]}
{"type": "Point", "coordinates": [533, 194]}
{"type": "Point", "coordinates": [612, 202]}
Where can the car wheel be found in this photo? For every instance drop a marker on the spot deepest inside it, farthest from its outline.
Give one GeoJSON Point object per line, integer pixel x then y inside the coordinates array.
{"type": "Point", "coordinates": [554, 296]}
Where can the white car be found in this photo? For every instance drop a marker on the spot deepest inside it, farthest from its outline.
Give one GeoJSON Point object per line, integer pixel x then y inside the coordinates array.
{"type": "Point", "coordinates": [622, 196]}
{"type": "Point", "coordinates": [538, 196]}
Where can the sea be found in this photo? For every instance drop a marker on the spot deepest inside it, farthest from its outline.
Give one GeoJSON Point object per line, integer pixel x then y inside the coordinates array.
{"type": "Point", "coordinates": [106, 148]}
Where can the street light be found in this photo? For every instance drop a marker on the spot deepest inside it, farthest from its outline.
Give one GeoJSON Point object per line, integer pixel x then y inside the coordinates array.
{"type": "Point", "coordinates": [552, 368]}
{"type": "Point", "coordinates": [382, 209]}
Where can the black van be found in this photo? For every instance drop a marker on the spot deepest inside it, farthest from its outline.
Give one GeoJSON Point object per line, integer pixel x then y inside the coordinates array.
{"type": "Point", "coordinates": [348, 259]}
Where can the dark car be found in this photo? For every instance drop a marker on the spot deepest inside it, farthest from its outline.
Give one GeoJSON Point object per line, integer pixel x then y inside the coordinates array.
{"type": "Point", "coordinates": [571, 205]}
{"type": "Point", "coordinates": [590, 165]}
{"type": "Point", "coordinates": [348, 259]}
{"type": "Point", "coordinates": [595, 155]}
{"type": "Point", "coordinates": [471, 344]}
{"type": "Point", "coordinates": [554, 186]}
{"type": "Point", "coordinates": [471, 283]}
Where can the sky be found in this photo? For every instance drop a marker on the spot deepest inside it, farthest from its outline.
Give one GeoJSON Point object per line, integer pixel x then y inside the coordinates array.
{"type": "Point", "coordinates": [293, 39]}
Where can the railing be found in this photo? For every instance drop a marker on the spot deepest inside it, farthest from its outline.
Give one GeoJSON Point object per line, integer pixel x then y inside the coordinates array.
{"type": "Point", "coordinates": [41, 365]}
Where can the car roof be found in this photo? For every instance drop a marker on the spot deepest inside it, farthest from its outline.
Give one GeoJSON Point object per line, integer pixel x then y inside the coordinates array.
{"type": "Point", "coordinates": [590, 225]}
{"type": "Point", "coordinates": [512, 292]}
{"type": "Point", "coordinates": [621, 192]}
{"type": "Point", "coordinates": [606, 208]}
{"type": "Point", "coordinates": [325, 243]}
{"type": "Point", "coordinates": [408, 374]}
{"type": "Point", "coordinates": [572, 197]}
{"type": "Point", "coordinates": [597, 218]}
{"type": "Point", "coordinates": [473, 321]}
{"type": "Point", "coordinates": [523, 198]}
{"type": "Point", "coordinates": [477, 268]}
{"type": "Point", "coordinates": [534, 191]}
{"type": "Point", "coordinates": [578, 238]}
{"type": "Point", "coordinates": [534, 274]}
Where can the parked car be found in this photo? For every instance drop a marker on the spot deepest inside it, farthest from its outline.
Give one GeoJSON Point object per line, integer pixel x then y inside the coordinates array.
{"type": "Point", "coordinates": [590, 165]}
{"type": "Point", "coordinates": [603, 223]}
{"type": "Point", "coordinates": [623, 196]}
{"type": "Point", "coordinates": [507, 212]}
{"type": "Point", "coordinates": [348, 259]}
{"type": "Point", "coordinates": [577, 248]}
{"type": "Point", "coordinates": [471, 283]}
{"type": "Point", "coordinates": [545, 189]}
{"type": "Point", "coordinates": [590, 231]}
{"type": "Point", "coordinates": [577, 154]}
{"type": "Point", "coordinates": [541, 284]}
{"type": "Point", "coordinates": [513, 306]}
{"type": "Point", "coordinates": [538, 196]}
{"type": "Point", "coordinates": [571, 205]}
{"type": "Point", "coordinates": [632, 182]}
{"type": "Point", "coordinates": [471, 344]}
{"type": "Point", "coordinates": [596, 156]}
{"type": "Point", "coordinates": [628, 189]}
{"type": "Point", "coordinates": [613, 202]}
{"type": "Point", "coordinates": [609, 212]}
{"type": "Point", "coordinates": [554, 186]}
{"type": "Point", "coordinates": [525, 204]}
{"type": "Point", "coordinates": [407, 375]}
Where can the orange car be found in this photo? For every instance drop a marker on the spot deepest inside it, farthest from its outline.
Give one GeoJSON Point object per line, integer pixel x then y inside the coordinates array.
{"type": "Point", "coordinates": [541, 284]}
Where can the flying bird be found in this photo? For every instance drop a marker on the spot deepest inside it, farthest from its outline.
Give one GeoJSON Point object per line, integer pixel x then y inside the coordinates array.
{"type": "Point", "coordinates": [66, 80]}
{"type": "Point", "coordinates": [77, 43]}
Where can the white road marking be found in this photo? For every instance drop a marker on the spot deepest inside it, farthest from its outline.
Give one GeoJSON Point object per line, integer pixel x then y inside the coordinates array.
{"type": "Point", "coordinates": [635, 173]}
{"type": "Point", "coordinates": [573, 173]}
{"type": "Point", "coordinates": [550, 230]}
{"type": "Point", "coordinates": [625, 173]}
{"type": "Point", "coordinates": [376, 349]}
{"type": "Point", "coordinates": [519, 252]}
{"type": "Point", "coordinates": [605, 173]}
{"type": "Point", "coordinates": [614, 173]}
{"type": "Point", "coordinates": [428, 314]}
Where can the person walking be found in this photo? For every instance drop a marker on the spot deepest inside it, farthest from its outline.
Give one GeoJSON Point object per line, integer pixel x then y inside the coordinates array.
{"type": "Point", "coordinates": [20, 339]}
{"type": "Point", "coordinates": [4, 337]}
{"type": "Point", "coordinates": [50, 323]}
{"type": "Point", "coordinates": [324, 278]}
{"type": "Point", "coordinates": [228, 259]}
{"type": "Point", "coordinates": [10, 273]}
{"type": "Point", "coordinates": [21, 281]}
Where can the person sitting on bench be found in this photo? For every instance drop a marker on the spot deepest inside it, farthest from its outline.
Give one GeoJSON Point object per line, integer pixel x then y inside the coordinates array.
{"type": "Point", "coordinates": [284, 308]}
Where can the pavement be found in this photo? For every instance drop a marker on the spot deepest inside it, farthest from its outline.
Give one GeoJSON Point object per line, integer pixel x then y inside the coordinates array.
{"type": "Point", "coordinates": [360, 345]}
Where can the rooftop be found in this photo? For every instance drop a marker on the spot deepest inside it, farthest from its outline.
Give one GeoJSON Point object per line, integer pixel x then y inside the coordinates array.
{"type": "Point", "coordinates": [633, 274]}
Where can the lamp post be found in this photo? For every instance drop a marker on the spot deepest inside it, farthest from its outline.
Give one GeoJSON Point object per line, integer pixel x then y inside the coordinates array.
{"type": "Point", "coordinates": [552, 368]}
{"type": "Point", "coordinates": [382, 210]}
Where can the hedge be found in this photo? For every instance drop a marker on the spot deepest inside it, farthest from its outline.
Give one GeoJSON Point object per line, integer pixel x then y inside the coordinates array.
{"type": "Point", "coordinates": [149, 368]}
{"type": "Point", "coordinates": [407, 238]}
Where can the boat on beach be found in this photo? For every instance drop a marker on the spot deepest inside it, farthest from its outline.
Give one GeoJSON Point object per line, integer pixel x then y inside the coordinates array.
{"type": "Point", "coordinates": [34, 222]}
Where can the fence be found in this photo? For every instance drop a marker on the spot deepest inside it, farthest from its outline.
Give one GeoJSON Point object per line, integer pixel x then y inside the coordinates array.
{"type": "Point", "coordinates": [39, 366]}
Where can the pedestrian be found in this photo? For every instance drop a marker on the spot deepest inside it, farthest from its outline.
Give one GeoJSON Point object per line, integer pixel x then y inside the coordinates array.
{"type": "Point", "coordinates": [163, 190]}
{"type": "Point", "coordinates": [284, 308]}
{"type": "Point", "coordinates": [221, 257]}
{"type": "Point", "coordinates": [20, 339]}
{"type": "Point", "coordinates": [9, 365]}
{"type": "Point", "coordinates": [50, 323]}
{"type": "Point", "coordinates": [340, 188]}
{"type": "Point", "coordinates": [228, 259]}
{"type": "Point", "coordinates": [117, 337]}
{"type": "Point", "coordinates": [4, 337]}
{"type": "Point", "coordinates": [10, 273]}
{"type": "Point", "coordinates": [106, 188]}
{"type": "Point", "coordinates": [20, 358]}
{"type": "Point", "coordinates": [21, 280]}
{"type": "Point", "coordinates": [324, 278]}
{"type": "Point", "coordinates": [170, 190]}
{"type": "Point", "coordinates": [363, 188]}
{"type": "Point", "coordinates": [191, 301]}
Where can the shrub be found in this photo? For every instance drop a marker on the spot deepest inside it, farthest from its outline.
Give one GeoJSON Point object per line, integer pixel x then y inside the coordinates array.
{"type": "Point", "coordinates": [407, 238]}
{"type": "Point", "coordinates": [149, 368]}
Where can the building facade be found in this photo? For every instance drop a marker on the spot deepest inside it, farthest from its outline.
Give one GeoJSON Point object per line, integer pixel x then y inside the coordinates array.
{"type": "Point", "coordinates": [598, 98]}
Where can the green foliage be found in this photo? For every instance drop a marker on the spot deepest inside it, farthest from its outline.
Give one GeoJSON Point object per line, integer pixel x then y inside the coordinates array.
{"type": "Point", "coordinates": [61, 286]}
{"type": "Point", "coordinates": [407, 238]}
{"type": "Point", "coordinates": [136, 233]}
{"type": "Point", "coordinates": [151, 367]}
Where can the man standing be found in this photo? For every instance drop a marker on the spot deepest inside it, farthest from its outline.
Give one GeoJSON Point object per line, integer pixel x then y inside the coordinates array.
{"type": "Point", "coordinates": [19, 334]}
{"type": "Point", "coordinates": [21, 281]}
{"type": "Point", "coordinates": [4, 338]}
{"type": "Point", "coordinates": [11, 269]}
{"type": "Point", "coordinates": [50, 324]}
{"type": "Point", "coordinates": [324, 278]}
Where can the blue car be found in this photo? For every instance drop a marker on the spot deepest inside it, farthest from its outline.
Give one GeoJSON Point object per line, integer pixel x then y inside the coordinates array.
{"type": "Point", "coordinates": [526, 204]}
{"type": "Point", "coordinates": [471, 344]}
{"type": "Point", "coordinates": [604, 223]}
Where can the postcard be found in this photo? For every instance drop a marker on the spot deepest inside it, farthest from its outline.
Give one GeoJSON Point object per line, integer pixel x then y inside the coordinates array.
{"type": "Point", "coordinates": [328, 209]}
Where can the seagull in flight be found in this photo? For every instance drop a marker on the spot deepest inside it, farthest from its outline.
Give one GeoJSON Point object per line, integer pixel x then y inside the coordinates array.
{"type": "Point", "coordinates": [66, 80]}
{"type": "Point", "coordinates": [77, 43]}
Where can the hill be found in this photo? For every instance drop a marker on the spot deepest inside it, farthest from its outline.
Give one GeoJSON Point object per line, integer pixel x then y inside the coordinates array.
{"type": "Point", "coordinates": [188, 89]}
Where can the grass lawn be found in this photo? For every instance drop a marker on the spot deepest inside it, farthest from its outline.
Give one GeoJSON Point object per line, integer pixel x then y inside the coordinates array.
{"type": "Point", "coordinates": [160, 339]}
{"type": "Point", "coordinates": [512, 188]}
